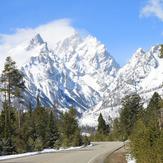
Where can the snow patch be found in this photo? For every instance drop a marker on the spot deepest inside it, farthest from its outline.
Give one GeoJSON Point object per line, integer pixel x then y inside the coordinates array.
{"type": "Point", "coordinates": [7, 157]}
{"type": "Point", "coordinates": [130, 159]}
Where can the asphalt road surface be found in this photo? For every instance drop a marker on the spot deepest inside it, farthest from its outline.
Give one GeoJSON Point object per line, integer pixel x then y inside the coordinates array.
{"type": "Point", "coordinates": [93, 154]}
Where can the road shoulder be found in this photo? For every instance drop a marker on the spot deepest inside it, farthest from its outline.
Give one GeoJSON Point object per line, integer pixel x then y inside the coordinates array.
{"type": "Point", "coordinates": [117, 157]}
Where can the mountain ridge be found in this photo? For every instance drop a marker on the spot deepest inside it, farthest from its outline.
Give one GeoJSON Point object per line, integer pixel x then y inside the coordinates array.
{"type": "Point", "coordinates": [143, 74]}
{"type": "Point", "coordinates": [80, 72]}
{"type": "Point", "coordinates": [65, 74]}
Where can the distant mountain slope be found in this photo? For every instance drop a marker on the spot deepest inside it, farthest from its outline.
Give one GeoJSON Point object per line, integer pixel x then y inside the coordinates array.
{"type": "Point", "coordinates": [79, 72]}
{"type": "Point", "coordinates": [142, 74]}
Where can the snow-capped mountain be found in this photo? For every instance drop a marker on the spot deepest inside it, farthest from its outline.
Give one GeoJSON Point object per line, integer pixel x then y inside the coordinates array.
{"type": "Point", "coordinates": [79, 72]}
{"type": "Point", "coordinates": [73, 74]}
{"type": "Point", "coordinates": [142, 74]}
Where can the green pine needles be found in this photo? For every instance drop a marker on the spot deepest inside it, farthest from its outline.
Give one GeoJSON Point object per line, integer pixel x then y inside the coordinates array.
{"type": "Point", "coordinates": [37, 127]}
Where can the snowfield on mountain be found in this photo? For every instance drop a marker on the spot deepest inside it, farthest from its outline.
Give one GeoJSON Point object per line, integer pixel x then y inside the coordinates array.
{"type": "Point", "coordinates": [79, 72]}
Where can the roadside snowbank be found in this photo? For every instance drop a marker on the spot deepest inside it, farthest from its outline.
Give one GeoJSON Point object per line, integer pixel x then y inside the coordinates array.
{"type": "Point", "coordinates": [130, 159]}
{"type": "Point", "coordinates": [7, 157]}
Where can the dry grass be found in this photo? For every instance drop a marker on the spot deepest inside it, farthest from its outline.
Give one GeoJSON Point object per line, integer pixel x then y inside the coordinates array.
{"type": "Point", "coordinates": [117, 157]}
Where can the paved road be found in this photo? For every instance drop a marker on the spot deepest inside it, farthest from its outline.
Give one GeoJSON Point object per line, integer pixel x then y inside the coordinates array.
{"type": "Point", "coordinates": [94, 154]}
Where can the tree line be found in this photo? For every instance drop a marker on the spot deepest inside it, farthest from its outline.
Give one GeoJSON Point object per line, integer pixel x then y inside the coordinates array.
{"type": "Point", "coordinates": [32, 129]}
{"type": "Point", "coordinates": [141, 126]}
{"type": "Point", "coordinates": [138, 124]}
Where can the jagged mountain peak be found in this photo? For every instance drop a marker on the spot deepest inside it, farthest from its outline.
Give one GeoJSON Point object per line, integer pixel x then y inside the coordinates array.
{"type": "Point", "coordinates": [75, 73]}
{"type": "Point", "coordinates": [79, 72]}
{"type": "Point", "coordinates": [92, 40]}
{"type": "Point", "coordinates": [86, 55]}
{"type": "Point", "coordinates": [140, 51]}
{"type": "Point", "coordinates": [74, 38]}
{"type": "Point", "coordinates": [35, 41]}
{"type": "Point", "coordinates": [155, 48]}
{"type": "Point", "coordinates": [155, 51]}
{"type": "Point", "coordinates": [137, 56]}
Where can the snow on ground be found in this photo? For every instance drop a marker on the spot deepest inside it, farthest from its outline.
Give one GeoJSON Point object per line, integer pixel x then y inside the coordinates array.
{"type": "Point", "coordinates": [90, 81]}
{"type": "Point", "coordinates": [18, 155]}
{"type": "Point", "coordinates": [90, 117]}
{"type": "Point", "coordinates": [130, 159]}
{"type": "Point", "coordinates": [155, 77]}
{"type": "Point", "coordinates": [7, 157]}
{"type": "Point", "coordinates": [86, 134]}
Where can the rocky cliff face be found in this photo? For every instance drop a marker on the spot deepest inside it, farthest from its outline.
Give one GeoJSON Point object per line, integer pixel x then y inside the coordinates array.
{"type": "Point", "coordinates": [73, 74]}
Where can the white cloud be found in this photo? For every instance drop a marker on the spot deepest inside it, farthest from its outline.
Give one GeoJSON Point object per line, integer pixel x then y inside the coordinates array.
{"type": "Point", "coordinates": [153, 8]}
{"type": "Point", "coordinates": [51, 32]}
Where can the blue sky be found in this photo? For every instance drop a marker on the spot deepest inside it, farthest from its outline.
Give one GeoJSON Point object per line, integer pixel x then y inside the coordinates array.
{"type": "Point", "coordinates": [123, 26]}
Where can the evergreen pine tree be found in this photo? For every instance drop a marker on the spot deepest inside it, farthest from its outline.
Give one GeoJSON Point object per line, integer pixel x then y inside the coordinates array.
{"type": "Point", "coordinates": [24, 133]}
{"type": "Point", "coordinates": [40, 124]}
{"type": "Point", "coordinates": [86, 140]}
{"type": "Point", "coordinates": [131, 109]}
{"type": "Point", "coordinates": [146, 138]}
{"type": "Point", "coordinates": [153, 107]}
{"type": "Point", "coordinates": [12, 85]}
{"type": "Point", "coordinates": [70, 132]}
{"type": "Point", "coordinates": [1, 131]}
{"type": "Point", "coordinates": [140, 145]}
{"type": "Point", "coordinates": [52, 133]}
{"type": "Point", "coordinates": [102, 127]}
{"type": "Point", "coordinates": [9, 135]}
{"type": "Point", "coordinates": [12, 81]}
{"type": "Point", "coordinates": [117, 130]}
